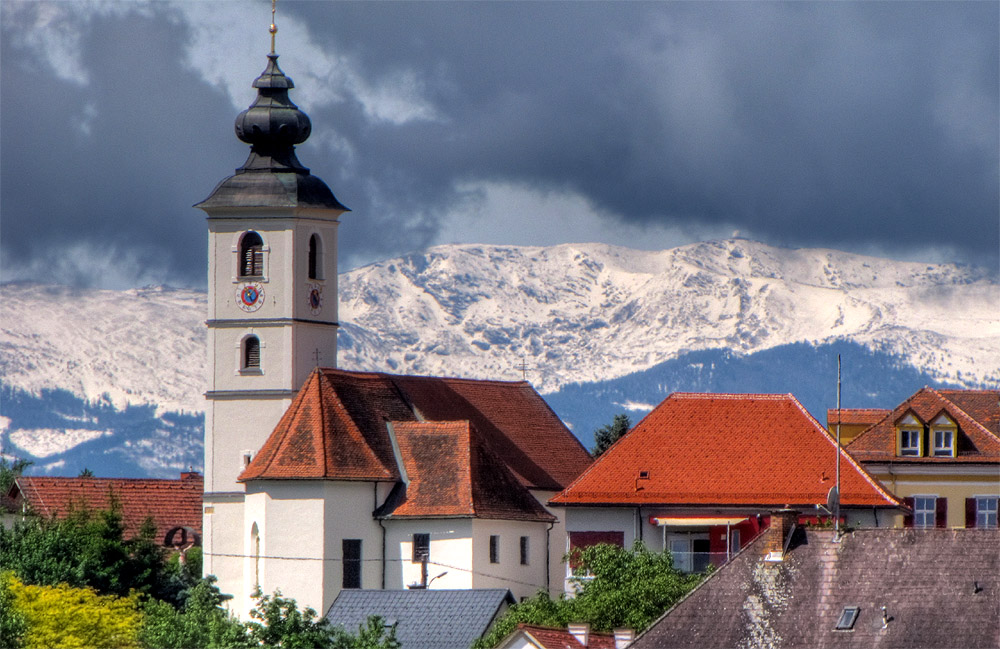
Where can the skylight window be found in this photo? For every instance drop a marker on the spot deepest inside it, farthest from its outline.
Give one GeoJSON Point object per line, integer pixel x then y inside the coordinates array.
{"type": "Point", "coordinates": [847, 618]}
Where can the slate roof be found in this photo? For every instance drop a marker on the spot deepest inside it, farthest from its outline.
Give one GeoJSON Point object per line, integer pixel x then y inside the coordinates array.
{"type": "Point", "coordinates": [427, 619]}
{"type": "Point", "coordinates": [450, 472]}
{"type": "Point", "coordinates": [171, 503]}
{"type": "Point", "coordinates": [725, 449]}
{"type": "Point", "coordinates": [940, 587]}
{"type": "Point", "coordinates": [335, 428]}
{"type": "Point", "coordinates": [549, 638]}
{"type": "Point", "coordinates": [977, 413]}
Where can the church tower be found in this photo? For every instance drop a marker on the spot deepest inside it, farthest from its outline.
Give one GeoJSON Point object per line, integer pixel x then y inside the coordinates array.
{"type": "Point", "coordinates": [272, 302]}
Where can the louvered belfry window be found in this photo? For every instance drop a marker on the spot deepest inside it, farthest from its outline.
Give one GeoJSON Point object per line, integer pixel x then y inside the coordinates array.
{"type": "Point", "coordinates": [251, 353]}
{"type": "Point", "coordinates": [252, 255]}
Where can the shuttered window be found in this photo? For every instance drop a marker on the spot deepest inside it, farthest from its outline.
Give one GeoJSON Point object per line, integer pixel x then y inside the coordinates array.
{"type": "Point", "coordinates": [251, 255]}
{"type": "Point", "coordinates": [494, 549]}
{"type": "Point", "coordinates": [251, 353]}
{"type": "Point", "coordinates": [421, 547]}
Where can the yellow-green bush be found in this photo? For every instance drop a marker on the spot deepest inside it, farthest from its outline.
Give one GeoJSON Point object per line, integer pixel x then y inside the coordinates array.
{"type": "Point", "coordinates": [61, 617]}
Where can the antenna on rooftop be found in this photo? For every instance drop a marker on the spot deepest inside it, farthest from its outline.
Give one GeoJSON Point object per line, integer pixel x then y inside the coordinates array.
{"type": "Point", "coordinates": [836, 501]}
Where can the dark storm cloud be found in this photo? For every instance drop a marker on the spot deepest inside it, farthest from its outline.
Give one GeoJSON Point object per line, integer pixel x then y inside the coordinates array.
{"type": "Point", "coordinates": [868, 126]}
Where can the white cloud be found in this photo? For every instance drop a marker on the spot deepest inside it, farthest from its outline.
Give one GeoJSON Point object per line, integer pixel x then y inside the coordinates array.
{"type": "Point", "coordinates": [515, 214]}
{"type": "Point", "coordinates": [43, 442]}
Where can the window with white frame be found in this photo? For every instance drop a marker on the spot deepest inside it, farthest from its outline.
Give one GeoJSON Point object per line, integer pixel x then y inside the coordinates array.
{"type": "Point", "coordinates": [986, 511]}
{"type": "Point", "coordinates": [909, 441]}
{"type": "Point", "coordinates": [924, 511]}
{"type": "Point", "coordinates": [251, 255]}
{"type": "Point", "coordinates": [944, 442]}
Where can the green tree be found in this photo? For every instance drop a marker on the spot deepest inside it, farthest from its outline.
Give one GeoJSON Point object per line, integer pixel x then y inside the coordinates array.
{"type": "Point", "coordinates": [373, 634]}
{"type": "Point", "coordinates": [608, 434]}
{"type": "Point", "coordinates": [200, 622]}
{"type": "Point", "coordinates": [615, 588]}
{"type": "Point", "coordinates": [276, 621]}
{"type": "Point", "coordinates": [10, 471]}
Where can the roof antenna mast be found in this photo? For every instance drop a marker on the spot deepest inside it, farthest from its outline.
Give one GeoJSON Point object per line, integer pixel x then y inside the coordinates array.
{"type": "Point", "coordinates": [274, 28]}
{"type": "Point", "coordinates": [836, 511]}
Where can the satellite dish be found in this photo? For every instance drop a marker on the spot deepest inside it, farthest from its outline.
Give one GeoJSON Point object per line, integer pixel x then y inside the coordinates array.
{"type": "Point", "coordinates": [833, 500]}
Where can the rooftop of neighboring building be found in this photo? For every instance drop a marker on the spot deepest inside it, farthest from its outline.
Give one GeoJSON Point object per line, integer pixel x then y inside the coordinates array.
{"type": "Point", "coordinates": [170, 503]}
{"type": "Point", "coordinates": [543, 637]}
{"type": "Point", "coordinates": [974, 415]}
{"type": "Point", "coordinates": [725, 449]}
{"type": "Point", "coordinates": [425, 619]}
{"type": "Point", "coordinates": [939, 588]}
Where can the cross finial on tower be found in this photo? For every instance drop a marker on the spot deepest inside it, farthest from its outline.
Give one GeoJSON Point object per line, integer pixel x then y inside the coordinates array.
{"type": "Point", "coordinates": [524, 369]}
{"type": "Point", "coordinates": [274, 28]}
{"type": "Point", "coordinates": [317, 355]}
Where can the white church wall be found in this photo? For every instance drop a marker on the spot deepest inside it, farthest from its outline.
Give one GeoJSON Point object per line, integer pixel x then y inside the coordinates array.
{"type": "Point", "coordinates": [347, 512]}
{"type": "Point", "coordinates": [523, 580]}
{"type": "Point", "coordinates": [450, 552]}
{"type": "Point", "coordinates": [238, 430]}
{"type": "Point", "coordinates": [223, 544]}
{"type": "Point", "coordinates": [557, 542]}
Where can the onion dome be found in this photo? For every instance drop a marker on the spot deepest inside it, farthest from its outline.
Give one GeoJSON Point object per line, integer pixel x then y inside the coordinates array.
{"type": "Point", "coordinates": [272, 175]}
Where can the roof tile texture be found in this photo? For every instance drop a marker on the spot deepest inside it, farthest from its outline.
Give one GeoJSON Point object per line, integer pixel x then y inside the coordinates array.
{"type": "Point", "coordinates": [451, 472]}
{"type": "Point", "coordinates": [427, 619]}
{"type": "Point", "coordinates": [336, 427]}
{"type": "Point", "coordinates": [977, 413]}
{"type": "Point", "coordinates": [171, 503]}
{"type": "Point", "coordinates": [562, 639]}
{"type": "Point", "coordinates": [940, 587]}
{"type": "Point", "coordinates": [724, 449]}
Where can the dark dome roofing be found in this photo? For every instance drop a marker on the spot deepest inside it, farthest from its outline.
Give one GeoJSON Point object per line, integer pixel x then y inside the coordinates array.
{"type": "Point", "coordinates": [272, 175]}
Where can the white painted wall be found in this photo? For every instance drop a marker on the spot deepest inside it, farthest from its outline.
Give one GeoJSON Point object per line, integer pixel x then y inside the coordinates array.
{"type": "Point", "coordinates": [451, 552]}
{"type": "Point", "coordinates": [521, 580]}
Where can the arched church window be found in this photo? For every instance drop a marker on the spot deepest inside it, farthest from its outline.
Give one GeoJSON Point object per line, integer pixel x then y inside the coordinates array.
{"type": "Point", "coordinates": [251, 255]}
{"type": "Point", "coordinates": [251, 353]}
{"type": "Point", "coordinates": [315, 257]}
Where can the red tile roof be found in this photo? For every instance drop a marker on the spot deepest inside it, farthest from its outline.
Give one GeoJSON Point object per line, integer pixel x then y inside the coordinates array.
{"type": "Point", "coordinates": [548, 638]}
{"type": "Point", "coordinates": [171, 503]}
{"type": "Point", "coordinates": [855, 416]}
{"type": "Point", "coordinates": [725, 449]}
{"type": "Point", "coordinates": [977, 413]}
{"type": "Point", "coordinates": [336, 427]}
{"type": "Point", "coordinates": [450, 472]}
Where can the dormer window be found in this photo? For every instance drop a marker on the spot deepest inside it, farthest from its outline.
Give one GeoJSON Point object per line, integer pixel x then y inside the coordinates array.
{"type": "Point", "coordinates": [251, 255]}
{"type": "Point", "coordinates": [909, 442]}
{"type": "Point", "coordinates": [944, 431]}
{"type": "Point", "coordinates": [910, 433]}
{"type": "Point", "coordinates": [944, 443]}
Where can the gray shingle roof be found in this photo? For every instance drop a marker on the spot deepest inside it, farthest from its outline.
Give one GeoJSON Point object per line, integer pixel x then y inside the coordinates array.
{"type": "Point", "coordinates": [940, 587]}
{"type": "Point", "coordinates": [427, 619]}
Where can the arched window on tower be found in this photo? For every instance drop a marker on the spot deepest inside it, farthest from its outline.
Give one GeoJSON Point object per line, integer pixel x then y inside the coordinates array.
{"type": "Point", "coordinates": [251, 255]}
{"type": "Point", "coordinates": [315, 257]}
{"type": "Point", "coordinates": [251, 353]}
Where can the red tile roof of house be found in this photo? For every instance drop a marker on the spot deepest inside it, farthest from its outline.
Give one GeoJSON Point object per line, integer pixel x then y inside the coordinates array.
{"type": "Point", "coordinates": [549, 638]}
{"type": "Point", "coordinates": [451, 473]}
{"type": "Point", "coordinates": [725, 449]}
{"type": "Point", "coordinates": [170, 503]}
{"type": "Point", "coordinates": [336, 427]}
{"type": "Point", "coordinates": [855, 416]}
{"type": "Point", "coordinates": [977, 413]}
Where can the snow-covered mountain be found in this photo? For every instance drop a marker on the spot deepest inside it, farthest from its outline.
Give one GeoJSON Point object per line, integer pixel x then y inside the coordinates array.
{"type": "Point", "coordinates": [592, 312]}
{"type": "Point", "coordinates": [79, 367]}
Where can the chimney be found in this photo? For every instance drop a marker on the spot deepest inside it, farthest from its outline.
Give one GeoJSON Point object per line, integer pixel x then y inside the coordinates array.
{"type": "Point", "coordinates": [580, 631]}
{"type": "Point", "coordinates": [782, 524]}
{"type": "Point", "coordinates": [190, 475]}
{"type": "Point", "coordinates": [623, 638]}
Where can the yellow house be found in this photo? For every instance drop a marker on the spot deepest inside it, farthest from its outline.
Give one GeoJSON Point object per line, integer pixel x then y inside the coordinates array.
{"type": "Point", "coordinates": [940, 452]}
{"type": "Point", "coordinates": [852, 421]}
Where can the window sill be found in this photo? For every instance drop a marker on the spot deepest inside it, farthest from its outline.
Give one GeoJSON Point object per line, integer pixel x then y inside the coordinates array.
{"type": "Point", "coordinates": [251, 371]}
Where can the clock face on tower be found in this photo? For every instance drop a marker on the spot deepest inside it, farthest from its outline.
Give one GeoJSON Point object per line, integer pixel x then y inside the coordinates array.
{"type": "Point", "coordinates": [250, 297]}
